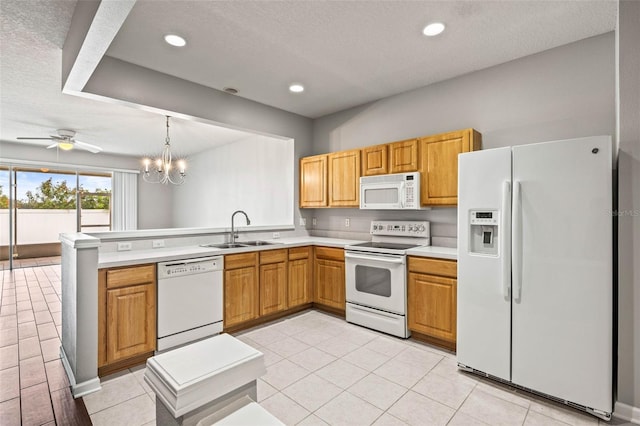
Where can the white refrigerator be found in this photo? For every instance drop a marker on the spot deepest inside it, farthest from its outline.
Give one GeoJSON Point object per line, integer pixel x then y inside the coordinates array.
{"type": "Point", "coordinates": [535, 292]}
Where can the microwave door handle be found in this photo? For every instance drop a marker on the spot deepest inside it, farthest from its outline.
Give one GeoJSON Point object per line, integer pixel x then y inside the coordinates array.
{"type": "Point", "coordinates": [403, 194]}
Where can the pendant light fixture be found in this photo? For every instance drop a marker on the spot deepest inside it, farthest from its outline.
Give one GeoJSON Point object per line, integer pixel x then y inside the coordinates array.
{"type": "Point", "coordinates": [161, 170]}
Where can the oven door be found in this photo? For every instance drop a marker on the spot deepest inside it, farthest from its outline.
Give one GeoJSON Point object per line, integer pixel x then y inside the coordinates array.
{"type": "Point", "coordinates": [377, 280]}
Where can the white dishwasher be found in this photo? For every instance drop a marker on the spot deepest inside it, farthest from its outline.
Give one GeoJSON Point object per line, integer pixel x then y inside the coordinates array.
{"type": "Point", "coordinates": [190, 303]}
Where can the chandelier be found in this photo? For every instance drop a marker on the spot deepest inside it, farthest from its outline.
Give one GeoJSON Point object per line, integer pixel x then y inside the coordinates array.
{"type": "Point", "coordinates": [163, 170]}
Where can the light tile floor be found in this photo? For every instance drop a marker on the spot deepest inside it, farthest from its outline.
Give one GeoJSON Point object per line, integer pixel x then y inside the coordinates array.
{"type": "Point", "coordinates": [322, 370]}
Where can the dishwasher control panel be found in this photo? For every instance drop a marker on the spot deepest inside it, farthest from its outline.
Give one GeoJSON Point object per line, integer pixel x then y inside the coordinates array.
{"type": "Point", "coordinates": [189, 267]}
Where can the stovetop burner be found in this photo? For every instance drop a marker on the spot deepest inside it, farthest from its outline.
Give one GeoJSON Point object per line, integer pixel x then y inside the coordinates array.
{"type": "Point", "coordinates": [394, 237]}
{"type": "Point", "coordinates": [384, 245]}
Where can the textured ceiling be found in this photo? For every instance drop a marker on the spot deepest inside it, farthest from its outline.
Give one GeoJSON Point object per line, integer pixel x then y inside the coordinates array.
{"type": "Point", "coordinates": [345, 52]}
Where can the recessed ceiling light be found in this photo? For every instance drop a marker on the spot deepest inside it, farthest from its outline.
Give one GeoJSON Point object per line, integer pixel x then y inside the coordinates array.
{"type": "Point", "coordinates": [433, 29]}
{"type": "Point", "coordinates": [231, 90]}
{"type": "Point", "coordinates": [175, 40]}
{"type": "Point", "coordinates": [296, 88]}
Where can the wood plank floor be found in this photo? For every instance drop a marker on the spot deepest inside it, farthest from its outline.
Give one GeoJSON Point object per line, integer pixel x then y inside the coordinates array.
{"type": "Point", "coordinates": [34, 389]}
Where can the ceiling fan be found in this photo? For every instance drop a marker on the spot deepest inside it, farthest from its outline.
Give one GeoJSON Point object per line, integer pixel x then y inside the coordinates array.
{"type": "Point", "coordinates": [65, 141]}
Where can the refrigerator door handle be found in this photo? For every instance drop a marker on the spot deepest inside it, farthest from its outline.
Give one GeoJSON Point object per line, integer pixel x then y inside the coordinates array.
{"type": "Point", "coordinates": [506, 261]}
{"type": "Point", "coordinates": [516, 242]}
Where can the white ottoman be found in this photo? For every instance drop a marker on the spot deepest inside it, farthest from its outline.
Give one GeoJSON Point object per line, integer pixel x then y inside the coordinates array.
{"type": "Point", "coordinates": [195, 381]}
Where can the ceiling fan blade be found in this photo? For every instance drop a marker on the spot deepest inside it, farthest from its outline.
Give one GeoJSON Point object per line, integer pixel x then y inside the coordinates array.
{"type": "Point", "coordinates": [53, 145]}
{"type": "Point", "coordinates": [35, 139]}
{"type": "Point", "coordinates": [88, 147]}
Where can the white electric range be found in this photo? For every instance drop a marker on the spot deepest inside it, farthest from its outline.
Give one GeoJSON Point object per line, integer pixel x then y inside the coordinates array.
{"type": "Point", "coordinates": [376, 275]}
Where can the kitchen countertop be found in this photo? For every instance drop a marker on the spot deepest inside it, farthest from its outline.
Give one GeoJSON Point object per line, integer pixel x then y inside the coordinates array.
{"type": "Point", "coordinates": [136, 257]}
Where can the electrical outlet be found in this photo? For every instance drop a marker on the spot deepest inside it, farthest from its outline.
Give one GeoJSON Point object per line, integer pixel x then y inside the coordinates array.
{"type": "Point", "coordinates": [157, 243]}
{"type": "Point", "coordinates": [303, 221]}
{"type": "Point", "coordinates": [314, 221]}
{"type": "Point", "coordinates": [124, 246]}
{"type": "Point", "coordinates": [347, 222]}
{"type": "Point", "coordinates": [276, 235]}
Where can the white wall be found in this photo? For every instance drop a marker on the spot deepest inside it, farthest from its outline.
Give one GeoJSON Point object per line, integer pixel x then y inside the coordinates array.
{"type": "Point", "coordinates": [561, 93]}
{"type": "Point", "coordinates": [628, 392]}
{"type": "Point", "coordinates": [163, 93]}
{"type": "Point", "coordinates": [254, 174]}
{"type": "Point", "coordinates": [38, 226]}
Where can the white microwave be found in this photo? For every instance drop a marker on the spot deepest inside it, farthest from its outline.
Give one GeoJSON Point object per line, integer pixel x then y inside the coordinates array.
{"type": "Point", "coordinates": [400, 191]}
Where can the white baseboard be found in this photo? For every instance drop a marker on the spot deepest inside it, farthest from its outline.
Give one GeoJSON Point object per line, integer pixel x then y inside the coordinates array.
{"type": "Point", "coordinates": [627, 412]}
{"type": "Point", "coordinates": [78, 389]}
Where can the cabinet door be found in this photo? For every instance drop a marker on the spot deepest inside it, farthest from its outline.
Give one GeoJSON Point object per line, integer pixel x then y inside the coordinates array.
{"type": "Point", "coordinates": [439, 165]}
{"type": "Point", "coordinates": [273, 288]}
{"type": "Point", "coordinates": [432, 306]}
{"type": "Point", "coordinates": [131, 321]}
{"type": "Point", "coordinates": [375, 160]}
{"type": "Point", "coordinates": [330, 286]}
{"type": "Point", "coordinates": [313, 181]}
{"type": "Point", "coordinates": [344, 179]}
{"type": "Point", "coordinates": [403, 156]}
{"type": "Point", "coordinates": [299, 285]}
{"type": "Point", "coordinates": [240, 295]}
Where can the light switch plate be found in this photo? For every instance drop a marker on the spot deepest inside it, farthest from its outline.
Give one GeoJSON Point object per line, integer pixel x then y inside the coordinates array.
{"type": "Point", "coordinates": [303, 221]}
{"type": "Point", "coordinates": [347, 222]}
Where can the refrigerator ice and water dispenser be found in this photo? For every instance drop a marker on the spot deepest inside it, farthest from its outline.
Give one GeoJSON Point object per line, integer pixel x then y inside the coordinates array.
{"type": "Point", "coordinates": [483, 232]}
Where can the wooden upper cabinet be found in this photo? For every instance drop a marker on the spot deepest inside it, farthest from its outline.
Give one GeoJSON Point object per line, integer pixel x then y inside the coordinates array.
{"type": "Point", "coordinates": [375, 160]}
{"type": "Point", "coordinates": [313, 181]}
{"type": "Point", "coordinates": [439, 165]}
{"type": "Point", "coordinates": [403, 156]}
{"type": "Point", "coordinates": [344, 178]}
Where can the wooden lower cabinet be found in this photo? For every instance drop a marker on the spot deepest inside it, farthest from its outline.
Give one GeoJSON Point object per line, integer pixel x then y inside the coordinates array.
{"type": "Point", "coordinates": [432, 299]}
{"type": "Point", "coordinates": [126, 314]}
{"type": "Point", "coordinates": [300, 280]}
{"type": "Point", "coordinates": [131, 321]}
{"type": "Point", "coordinates": [329, 277]}
{"type": "Point", "coordinates": [241, 292]}
{"type": "Point", "coordinates": [273, 281]}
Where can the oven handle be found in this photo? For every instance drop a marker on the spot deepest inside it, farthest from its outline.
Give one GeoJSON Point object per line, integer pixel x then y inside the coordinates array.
{"type": "Point", "coordinates": [376, 258]}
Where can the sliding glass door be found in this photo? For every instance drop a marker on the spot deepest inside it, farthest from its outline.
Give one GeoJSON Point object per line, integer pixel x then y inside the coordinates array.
{"type": "Point", "coordinates": [42, 203]}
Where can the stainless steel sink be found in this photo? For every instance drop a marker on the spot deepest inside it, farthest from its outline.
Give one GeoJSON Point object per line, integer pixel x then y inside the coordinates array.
{"type": "Point", "coordinates": [224, 245]}
{"type": "Point", "coordinates": [238, 244]}
{"type": "Point", "coordinates": [256, 243]}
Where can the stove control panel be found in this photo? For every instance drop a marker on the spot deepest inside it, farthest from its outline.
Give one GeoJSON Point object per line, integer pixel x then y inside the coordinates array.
{"type": "Point", "coordinates": [401, 228]}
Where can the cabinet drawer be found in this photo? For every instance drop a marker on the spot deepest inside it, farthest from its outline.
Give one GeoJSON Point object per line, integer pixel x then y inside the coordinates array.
{"type": "Point", "coordinates": [329, 253]}
{"type": "Point", "coordinates": [273, 256]}
{"type": "Point", "coordinates": [425, 265]}
{"type": "Point", "coordinates": [240, 260]}
{"type": "Point", "coordinates": [123, 277]}
{"type": "Point", "coordinates": [299, 253]}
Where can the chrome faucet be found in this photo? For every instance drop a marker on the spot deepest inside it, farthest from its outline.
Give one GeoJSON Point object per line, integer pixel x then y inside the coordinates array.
{"type": "Point", "coordinates": [232, 240]}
